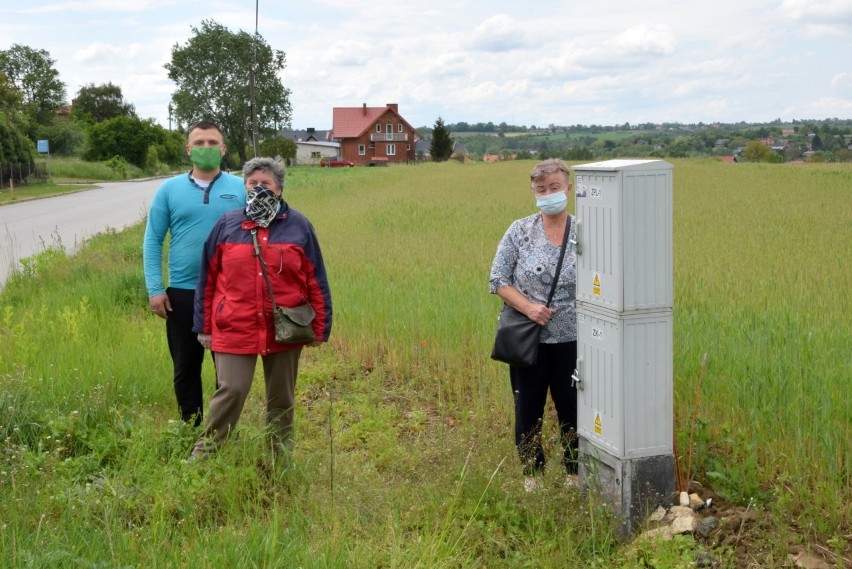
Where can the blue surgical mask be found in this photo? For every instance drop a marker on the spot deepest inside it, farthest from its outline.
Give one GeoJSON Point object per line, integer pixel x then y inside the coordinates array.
{"type": "Point", "coordinates": [552, 204]}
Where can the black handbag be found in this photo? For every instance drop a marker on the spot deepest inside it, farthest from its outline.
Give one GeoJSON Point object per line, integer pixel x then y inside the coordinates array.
{"type": "Point", "coordinates": [517, 339]}
{"type": "Point", "coordinates": [292, 325]}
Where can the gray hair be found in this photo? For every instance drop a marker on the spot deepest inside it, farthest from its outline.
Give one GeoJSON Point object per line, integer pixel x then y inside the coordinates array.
{"type": "Point", "coordinates": [549, 166]}
{"type": "Point", "coordinates": [264, 164]}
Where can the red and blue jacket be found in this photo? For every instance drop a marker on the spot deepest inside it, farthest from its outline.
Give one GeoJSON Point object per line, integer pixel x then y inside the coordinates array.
{"type": "Point", "coordinates": [231, 299]}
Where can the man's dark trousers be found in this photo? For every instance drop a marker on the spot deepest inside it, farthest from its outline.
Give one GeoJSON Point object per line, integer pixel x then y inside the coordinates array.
{"type": "Point", "coordinates": [187, 354]}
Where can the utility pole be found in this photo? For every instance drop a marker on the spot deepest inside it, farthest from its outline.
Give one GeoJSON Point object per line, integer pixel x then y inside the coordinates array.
{"type": "Point", "coordinates": [251, 84]}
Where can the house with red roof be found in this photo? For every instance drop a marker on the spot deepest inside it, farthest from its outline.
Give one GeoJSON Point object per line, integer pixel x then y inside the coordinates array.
{"type": "Point", "coordinates": [373, 135]}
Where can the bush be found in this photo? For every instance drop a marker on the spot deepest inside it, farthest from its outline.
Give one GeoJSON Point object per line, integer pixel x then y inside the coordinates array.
{"type": "Point", "coordinates": [152, 160]}
{"type": "Point", "coordinates": [131, 139]}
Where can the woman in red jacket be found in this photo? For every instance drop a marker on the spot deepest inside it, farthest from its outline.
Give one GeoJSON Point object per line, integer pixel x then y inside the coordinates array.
{"type": "Point", "coordinates": [233, 308]}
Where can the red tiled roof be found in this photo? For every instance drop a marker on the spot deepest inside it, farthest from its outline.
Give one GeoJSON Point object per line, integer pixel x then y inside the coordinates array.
{"type": "Point", "coordinates": [351, 122]}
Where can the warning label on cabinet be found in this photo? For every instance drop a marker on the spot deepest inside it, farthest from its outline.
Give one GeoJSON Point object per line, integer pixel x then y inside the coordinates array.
{"type": "Point", "coordinates": [598, 424]}
{"type": "Point", "coordinates": [596, 285]}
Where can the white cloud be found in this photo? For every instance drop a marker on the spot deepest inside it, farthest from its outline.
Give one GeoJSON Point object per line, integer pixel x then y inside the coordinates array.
{"type": "Point", "coordinates": [841, 84]}
{"type": "Point", "coordinates": [643, 39]}
{"type": "Point", "coordinates": [826, 107]}
{"type": "Point", "coordinates": [103, 53]}
{"type": "Point", "coordinates": [832, 16]}
{"type": "Point", "coordinates": [348, 53]}
{"type": "Point", "coordinates": [498, 33]}
{"type": "Point", "coordinates": [98, 6]}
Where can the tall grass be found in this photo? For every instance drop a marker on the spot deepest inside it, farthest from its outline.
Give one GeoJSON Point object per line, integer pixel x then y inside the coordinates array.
{"type": "Point", "coordinates": [64, 169]}
{"type": "Point", "coordinates": [404, 455]}
{"type": "Point", "coordinates": [763, 287]}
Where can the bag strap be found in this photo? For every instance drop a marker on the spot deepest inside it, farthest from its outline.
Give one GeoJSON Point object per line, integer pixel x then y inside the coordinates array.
{"type": "Point", "coordinates": [561, 258]}
{"type": "Point", "coordinates": [263, 267]}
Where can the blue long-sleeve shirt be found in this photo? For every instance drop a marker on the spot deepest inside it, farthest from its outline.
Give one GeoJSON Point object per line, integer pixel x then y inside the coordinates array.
{"type": "Point", "coordinates": [187, 212]}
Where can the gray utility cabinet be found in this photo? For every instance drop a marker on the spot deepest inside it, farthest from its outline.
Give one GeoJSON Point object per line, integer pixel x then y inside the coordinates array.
{"type": "Point", "coordinates": [624, 374]}
{"type": "Point", "coordinates": [625, 405]}
{"type": "Point", "coordinates": [624, 209]}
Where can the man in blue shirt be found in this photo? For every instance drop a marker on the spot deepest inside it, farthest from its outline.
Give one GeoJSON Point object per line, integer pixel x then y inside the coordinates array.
{"type": "Point", "coordinates": [186, 207]}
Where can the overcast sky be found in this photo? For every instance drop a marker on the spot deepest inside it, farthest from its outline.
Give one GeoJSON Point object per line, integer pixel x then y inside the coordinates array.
{"type": "Point", "coordinates": [525, 62]}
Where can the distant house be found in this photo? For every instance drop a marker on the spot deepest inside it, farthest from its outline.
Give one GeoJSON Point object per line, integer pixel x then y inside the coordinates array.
{"type": "Point", "coordinates": [311, 144]}
{"type": "Point", "coordinates": [373, 135]}
{"type": "Point", "coordinates": [307, 135]}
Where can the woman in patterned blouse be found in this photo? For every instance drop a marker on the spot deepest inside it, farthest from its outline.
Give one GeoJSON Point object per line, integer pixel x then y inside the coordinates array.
{"type": "Point", "coordinates": [522, 274]}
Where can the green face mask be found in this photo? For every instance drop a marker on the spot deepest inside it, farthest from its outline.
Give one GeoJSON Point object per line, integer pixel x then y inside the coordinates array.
{"type": "Point", "coordinates": [206, 158]}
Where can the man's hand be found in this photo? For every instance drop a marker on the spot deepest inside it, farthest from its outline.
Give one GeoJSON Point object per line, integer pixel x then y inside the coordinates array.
{"type": "Point", "coordinates": [160, 305]}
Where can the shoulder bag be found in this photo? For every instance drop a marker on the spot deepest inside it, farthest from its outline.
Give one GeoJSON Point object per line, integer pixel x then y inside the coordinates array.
{"type": "Point", "coordinates": [292, 325]}
{"type": "Point", "coordinates": [518, 337]}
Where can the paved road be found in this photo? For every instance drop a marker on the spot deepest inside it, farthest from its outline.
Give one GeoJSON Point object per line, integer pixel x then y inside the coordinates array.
{"type": "Point", "coordinates": [27, 228]}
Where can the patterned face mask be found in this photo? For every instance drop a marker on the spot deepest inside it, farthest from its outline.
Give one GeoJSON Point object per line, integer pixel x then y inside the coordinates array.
{"type": "Point", "coordinates": [262, 205]}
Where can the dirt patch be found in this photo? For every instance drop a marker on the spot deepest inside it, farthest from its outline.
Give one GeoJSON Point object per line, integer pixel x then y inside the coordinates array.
{"type": "Point", "coordinates": [755, 541]}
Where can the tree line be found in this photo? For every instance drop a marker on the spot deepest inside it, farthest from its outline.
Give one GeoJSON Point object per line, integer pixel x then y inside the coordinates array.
{"type": "Point", "coordinates": [810, 140]}
{"type": "Point", "coordinates": [220, 75]}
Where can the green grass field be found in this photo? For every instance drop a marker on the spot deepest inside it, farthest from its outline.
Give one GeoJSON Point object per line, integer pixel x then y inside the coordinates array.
{"type": "Point", "coordinates": [404, 454]}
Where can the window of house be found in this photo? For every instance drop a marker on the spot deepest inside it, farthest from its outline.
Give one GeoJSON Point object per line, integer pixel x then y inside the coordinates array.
{"type": "Point", "coordinates": [362, 150]}
{"type": "Point", "coordinates": [399, 127]}
{"type": "Point", "coordinates": [391, 150]}
{"type": "Point", "coordinates": [316, 155]}
{"type": "Point", "coordinates": [378, 127]}
{"type": "Point", "coordinates": [408, 147]}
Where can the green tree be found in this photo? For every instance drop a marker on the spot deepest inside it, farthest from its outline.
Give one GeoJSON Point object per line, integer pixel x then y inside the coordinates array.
{"type": "Point", "coordinates": [32, 73]}
{"type": "Point", "coordinates": [278, 146]}
{"type": "Point", "coordinates": [171, 145]}
{"type": "Point", "coordinates": [64, 136]}
{"type": "Point", "coordinates": [441, 147]}
{"type": "Point", "coordinates": [816, 142]}
{"type": "Point", "coordinates": [10, 97]}
{"type": "Point", "coordinates": [15, 147]}
{"type": "Point", "coordinates": [131, 138]}
{"type": "Point", "coordinates": [679, 148]}
{"type": "Point", "coordinates": [213, 75]}
{"type": "Point", "coordinates": [756, 151]}
{"type": "Point", "coordinates": [97, 103]}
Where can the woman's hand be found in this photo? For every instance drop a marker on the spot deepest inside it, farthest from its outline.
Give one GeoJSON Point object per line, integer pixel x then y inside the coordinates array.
{"type": "Point", "coordinates": [204, 340]}
{"type": "Point", "coordinates": [315, 344]}
{"type": "Point", "coordinates": [539, 313]}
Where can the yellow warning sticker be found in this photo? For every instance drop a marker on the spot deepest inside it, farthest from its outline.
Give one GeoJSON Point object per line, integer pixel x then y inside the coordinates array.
{"type": "Point", "coordinates": [596, 285]}
{"type": "Point", "coordinates": [598, 424]}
